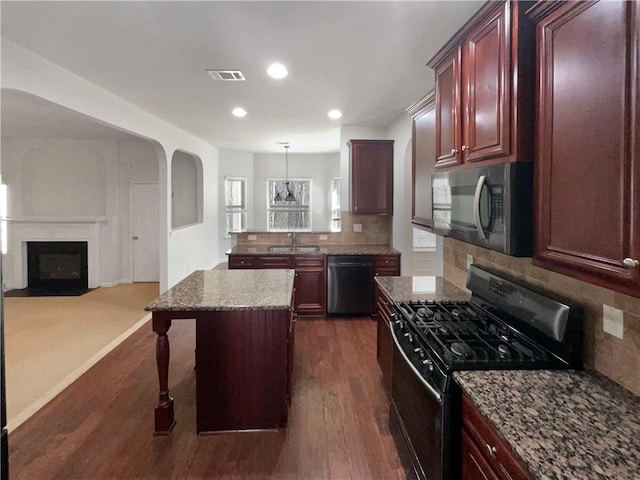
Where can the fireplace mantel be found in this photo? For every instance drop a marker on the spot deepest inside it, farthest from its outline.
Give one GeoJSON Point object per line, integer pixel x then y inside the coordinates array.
{"type": "Point", "coordinates": [50, 229]}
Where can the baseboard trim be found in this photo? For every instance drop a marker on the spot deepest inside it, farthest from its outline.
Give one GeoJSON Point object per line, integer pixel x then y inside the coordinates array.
{"type": "Point", "coordinates": [19, 419]}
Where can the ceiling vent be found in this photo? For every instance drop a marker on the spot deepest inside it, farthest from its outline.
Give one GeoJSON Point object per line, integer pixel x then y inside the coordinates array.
{"type": "Point", "coordinates": [226, 75]}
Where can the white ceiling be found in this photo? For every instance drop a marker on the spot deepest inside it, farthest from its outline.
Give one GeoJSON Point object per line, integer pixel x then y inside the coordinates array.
{"type": "Point", "coordinates": [364, 58]}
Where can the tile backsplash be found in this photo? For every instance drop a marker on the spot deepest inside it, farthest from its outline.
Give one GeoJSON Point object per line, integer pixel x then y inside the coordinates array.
{"type": "Point", "coordinates": [618, 359]}
{"type": "Point", "coordinates": [376, 230]}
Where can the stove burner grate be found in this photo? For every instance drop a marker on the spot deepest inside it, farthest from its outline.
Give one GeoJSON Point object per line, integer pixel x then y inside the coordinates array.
{"type": "Point", "coordinates": [462, 335]}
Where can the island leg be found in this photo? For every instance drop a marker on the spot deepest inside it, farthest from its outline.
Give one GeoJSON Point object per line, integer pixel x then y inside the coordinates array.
{"type": "Point", "coordinates": [164, 420]}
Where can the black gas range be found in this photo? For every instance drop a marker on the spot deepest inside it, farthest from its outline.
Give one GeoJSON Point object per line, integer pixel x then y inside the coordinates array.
{"type": "Point", "coordinates": [505, 325]}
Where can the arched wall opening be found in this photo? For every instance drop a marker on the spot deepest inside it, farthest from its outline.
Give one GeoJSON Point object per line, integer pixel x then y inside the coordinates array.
{"type": "Point", "coordinates": [186, 189]}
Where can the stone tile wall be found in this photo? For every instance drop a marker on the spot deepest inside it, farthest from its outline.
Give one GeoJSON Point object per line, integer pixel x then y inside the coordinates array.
{"type": "Point", "coordinates": [615, 358]}
{"type": "Point", "coordinates": [376, 230]}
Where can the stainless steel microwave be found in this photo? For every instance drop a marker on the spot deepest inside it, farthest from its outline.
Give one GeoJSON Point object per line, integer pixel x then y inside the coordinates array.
{"type": "Point", "coordinates": [488, 206]}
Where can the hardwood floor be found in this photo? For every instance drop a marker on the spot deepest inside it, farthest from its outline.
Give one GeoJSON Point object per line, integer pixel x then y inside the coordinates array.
{"type": "Point", "coordinates": [101, 427]}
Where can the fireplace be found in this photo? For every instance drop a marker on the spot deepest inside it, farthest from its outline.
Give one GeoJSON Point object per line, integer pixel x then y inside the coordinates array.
{"type": "Point", "coordinates": [57, 268]}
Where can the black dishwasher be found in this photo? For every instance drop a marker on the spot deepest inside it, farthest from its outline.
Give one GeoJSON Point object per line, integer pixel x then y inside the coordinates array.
{"type": "Point", "coordinates": [350, 285]}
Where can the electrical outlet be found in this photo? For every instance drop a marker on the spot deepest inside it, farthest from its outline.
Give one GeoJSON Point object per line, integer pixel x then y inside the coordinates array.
{"type": "Point", "coordinates": [357, 227]}
{"type": "Point", "coordinates": [613, 321]}
{"type": "Point", "coordinates": [469, 260]}
{"type": "Point", "coordinates": [251, 237]}
{"type": "Point", "coordinates": [323, 237]}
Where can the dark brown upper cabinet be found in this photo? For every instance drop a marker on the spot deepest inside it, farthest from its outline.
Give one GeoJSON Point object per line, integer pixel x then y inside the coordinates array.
{"type": "Point", "coordinates": [423, 157]}
{"type": "Point", "coordinates": [484, 89]}
{"type": "Point", "coordinates": [587, 167]}
{"type": "Point", "coordinates": [371, 177]}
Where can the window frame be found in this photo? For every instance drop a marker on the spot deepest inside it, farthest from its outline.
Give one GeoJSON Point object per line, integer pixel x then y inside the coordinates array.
{"type": "Point", "coordinates": [235, 209]}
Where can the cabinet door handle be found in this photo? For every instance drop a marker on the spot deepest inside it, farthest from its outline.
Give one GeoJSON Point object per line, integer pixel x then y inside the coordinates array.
{"type": "Point", "coordinates": [492, 450]}
{"type": "Point", "coordinates": [465, 148]}
{"type": "Point", "coordinates": [454, 151]}
{"type": "Point", "coordinates": [630, 262]}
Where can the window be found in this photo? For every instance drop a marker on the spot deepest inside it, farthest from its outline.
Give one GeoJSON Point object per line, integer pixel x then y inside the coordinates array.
{"type": "Point", "coordinates": [335, 205]}
{"type": "Point", "coordinates": [285, 216]}
{"type": "Point", "coordinates": [235, 200]}
{"type": "Point", "coordinates": [423, 241]}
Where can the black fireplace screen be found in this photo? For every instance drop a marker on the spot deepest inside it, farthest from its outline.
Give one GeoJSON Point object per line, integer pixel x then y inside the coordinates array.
{"type": "Point", "coordinates": [57, 266]}
{"type": "Point", "coordinates": [60, 265]}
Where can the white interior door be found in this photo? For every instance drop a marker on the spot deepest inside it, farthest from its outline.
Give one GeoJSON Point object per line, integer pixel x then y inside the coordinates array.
{"type": "Point", "coordinates": [144, 231]}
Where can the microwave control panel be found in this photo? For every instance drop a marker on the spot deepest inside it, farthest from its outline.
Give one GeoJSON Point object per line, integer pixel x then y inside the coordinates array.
{"type": "Point", "coordinates": [496, 222]}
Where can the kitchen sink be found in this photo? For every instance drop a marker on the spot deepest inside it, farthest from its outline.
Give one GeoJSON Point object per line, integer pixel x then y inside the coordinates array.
{"type": "Point", "coordinates": [294, 249]}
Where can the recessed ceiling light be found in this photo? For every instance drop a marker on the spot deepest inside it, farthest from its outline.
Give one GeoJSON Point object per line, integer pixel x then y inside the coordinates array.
{"type": "Point", "coordinates": [239, 112]}
{"type": "Point", "coordinates": [277, 70]}
{"type": "Point", "coordinates": [334, 114]}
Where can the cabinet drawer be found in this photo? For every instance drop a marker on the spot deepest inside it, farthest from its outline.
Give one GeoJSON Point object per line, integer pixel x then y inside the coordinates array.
{"type": "Point", "coordinates": [242, 261]}
{"type": "Point", "coordinates": [495, 451]}
{"type": "Point", "coordinates": [387, 265]}
{"type": "Point", "coordinates": [309, 261]}
{"type": "Point", "coordinates": [384, 305]}
{"type": "Point", "coordinates": [387, 261]}
{"type": "Point", "coordinates": [274, 261]}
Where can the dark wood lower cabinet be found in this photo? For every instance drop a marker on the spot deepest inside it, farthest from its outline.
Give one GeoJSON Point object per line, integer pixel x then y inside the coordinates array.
{"type": "Point", "coordinates": [311, 275]}
{"type": "Point", "coordinates": [310, 285]}
{"type": "Point", "coordinates": [384, 349]}
{"type": "Point", "coordinates": [485, 455]}
{"type": "Point", "coordinates": [386, 265]}
{"type": "Point", "coordinates": [242, 261]}
{"type": "Point", "coordinates": [474, 466]}
{"type": "Point", "coordinates": [243, 370]}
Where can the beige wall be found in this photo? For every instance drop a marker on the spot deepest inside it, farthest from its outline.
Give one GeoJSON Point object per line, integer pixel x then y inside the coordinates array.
{"type": "Point", "coordinates": [615, 358]}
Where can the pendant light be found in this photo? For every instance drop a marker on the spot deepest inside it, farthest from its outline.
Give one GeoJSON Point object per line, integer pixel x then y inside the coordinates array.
{"type": "Point", "coordinates": [290, 197]}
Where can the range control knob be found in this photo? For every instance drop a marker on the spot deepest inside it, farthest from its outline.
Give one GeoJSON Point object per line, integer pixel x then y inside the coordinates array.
{"type": "Point", "coordinates": [409, 336]}
{"type": "Point", "coordinates": [427, 366]}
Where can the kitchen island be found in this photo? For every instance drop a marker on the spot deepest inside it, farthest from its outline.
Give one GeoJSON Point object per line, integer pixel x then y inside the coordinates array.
{"type": "Point", "coordinates": [244, 346]}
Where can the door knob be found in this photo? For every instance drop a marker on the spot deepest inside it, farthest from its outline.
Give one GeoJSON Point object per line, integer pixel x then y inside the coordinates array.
{"type": "Point", "coordinates": [630, 262]}
{"type": "Point", "coordinates": [465, 148]}
{"type": "Point", "coordinates": [135, 238]}
{"type": "Point", "coordinates": [454, 151]}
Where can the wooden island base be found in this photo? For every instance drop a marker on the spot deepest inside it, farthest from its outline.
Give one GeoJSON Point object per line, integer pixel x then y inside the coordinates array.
{"type": "Point", "coordinates": [242, 370]}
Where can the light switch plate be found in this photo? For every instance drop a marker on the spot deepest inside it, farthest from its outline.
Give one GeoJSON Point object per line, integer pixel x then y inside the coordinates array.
{"type": "Point", "coordinates": [613, 321]}
{"type": "Point", "coordinates": [357, 227]}
{"type": "Point", "coordinates": [469, 261]}
{"type": "Point", "coordinates": [323, 237]}
{"type": "Point", "coordinates": [251, 237]}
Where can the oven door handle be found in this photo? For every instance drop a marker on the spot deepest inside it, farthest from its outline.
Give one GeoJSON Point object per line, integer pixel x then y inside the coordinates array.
{"type": "Point", "coordinates": [433, 391]}
{"type": "Point", "coordinates": [476, 206]}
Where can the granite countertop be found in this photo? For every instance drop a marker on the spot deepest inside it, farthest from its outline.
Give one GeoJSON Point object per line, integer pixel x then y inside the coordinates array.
{"type": "Point", "coordinates": [562, 424]}
{"type": "Point", "coordinates": [228, 290]}
{"type": "Point", "coordinates": [420, 288]}
{"type": "Point", "coordinates": [324, 250]}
